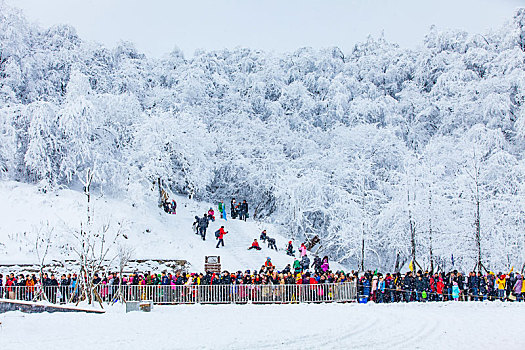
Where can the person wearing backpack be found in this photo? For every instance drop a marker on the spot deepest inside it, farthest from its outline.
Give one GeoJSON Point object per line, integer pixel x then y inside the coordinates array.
{"type": "Point", "coordinates": [221, 237]}
{"type": "Point", "coordinates": [203, 225]}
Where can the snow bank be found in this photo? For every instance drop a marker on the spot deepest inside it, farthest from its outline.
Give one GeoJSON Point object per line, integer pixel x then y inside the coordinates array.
{"type": "Point", "coordinates": [323, 326]}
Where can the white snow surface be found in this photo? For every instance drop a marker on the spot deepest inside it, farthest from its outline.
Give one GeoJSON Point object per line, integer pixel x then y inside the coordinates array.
{"type": "Point", "coordinates": [307, 326]}
{"type": "Point", "coordinates": [25, 209]}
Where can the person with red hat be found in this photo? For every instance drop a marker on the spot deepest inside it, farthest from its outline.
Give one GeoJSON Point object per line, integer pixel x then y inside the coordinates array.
{"type": "Point", "coordinates": [289, 250]}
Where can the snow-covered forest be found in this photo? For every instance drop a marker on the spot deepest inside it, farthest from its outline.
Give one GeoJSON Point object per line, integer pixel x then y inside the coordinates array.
{"type": "Point", "coordinates": [383, 152]}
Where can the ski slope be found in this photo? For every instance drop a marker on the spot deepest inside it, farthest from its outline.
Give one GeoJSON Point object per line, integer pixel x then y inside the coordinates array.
{"type": "Point", "coordinates": [152, 233]}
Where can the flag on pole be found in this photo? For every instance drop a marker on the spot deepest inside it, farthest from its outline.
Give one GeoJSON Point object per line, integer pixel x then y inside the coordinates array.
{"type": "Point", "coordinates": [452, 258]}
{"type": "Point", "coordinates": [411, 266]}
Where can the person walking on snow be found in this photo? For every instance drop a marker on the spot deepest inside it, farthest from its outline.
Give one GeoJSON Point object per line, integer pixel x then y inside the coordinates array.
{"type": "Point", "coordinates": [196, 225]}
{"type": "Point", "coordinates": [203, 225]}
{"type": "Point", "coordinates": [221, 237]}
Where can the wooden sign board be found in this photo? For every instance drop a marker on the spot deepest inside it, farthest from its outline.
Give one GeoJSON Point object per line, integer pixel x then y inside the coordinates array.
{"type": "Point", "coordinates": [212, 264]}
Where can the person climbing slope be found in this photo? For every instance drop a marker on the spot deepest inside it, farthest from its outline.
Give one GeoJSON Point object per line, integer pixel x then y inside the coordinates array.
{"type": "Point", "coordinates": [221, 237]}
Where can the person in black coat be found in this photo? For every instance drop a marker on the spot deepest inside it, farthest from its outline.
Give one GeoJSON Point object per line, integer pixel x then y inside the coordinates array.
{"type": "Point", "coordinates": [305, 262]}
{"type": "Point", "coordinates": [64, 286]}
{"type": "Point", "coordinates": [263, 237]}
{"type": "Point", "coordinates": [196, 225]}
{"type": "Point", "coordinates": [53, 287]}
{"type": "Point", "coordinates": [271, 243]}
{"type": "Point", "coordinates": [289, 250]}
{"type": "Point", "coordinates": [317, 265]}
{"type": "Point", "coordinates": [243, 210]}
{"type": "Point", "coordinates": [203, 225]}
{"type": "Point", "coordinates": [482, 283]}
{"type": "Point", "coordinates": [233, 212]}
{"type": "Point", "coordinates": [473, 286]}
{"type": "Point", "coordinates": [407, 286]}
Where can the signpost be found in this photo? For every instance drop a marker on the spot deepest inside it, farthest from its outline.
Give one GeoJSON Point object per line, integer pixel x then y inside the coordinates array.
{"type": "Point", "coordinates": [212, 263]}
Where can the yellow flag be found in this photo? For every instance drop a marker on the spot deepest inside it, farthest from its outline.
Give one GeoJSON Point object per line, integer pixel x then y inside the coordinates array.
{"type": "Point", "coordinates": [512, 269]}
{"type": "Point", "coordinates": [411, 266]}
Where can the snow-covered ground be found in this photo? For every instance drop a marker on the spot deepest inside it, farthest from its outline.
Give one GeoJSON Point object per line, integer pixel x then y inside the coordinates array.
{"type": "Point", "coordinates": [152, 233]}
{"type": "Point", "coordinates": [326, 326]}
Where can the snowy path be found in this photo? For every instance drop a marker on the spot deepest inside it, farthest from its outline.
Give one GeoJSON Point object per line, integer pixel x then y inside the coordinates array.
{"type": "Point", "coordinates": [332, 326]}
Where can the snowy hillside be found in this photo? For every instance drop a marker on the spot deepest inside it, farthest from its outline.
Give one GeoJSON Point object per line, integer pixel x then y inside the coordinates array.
{"type": "Point", "coordinates": [152, 233]}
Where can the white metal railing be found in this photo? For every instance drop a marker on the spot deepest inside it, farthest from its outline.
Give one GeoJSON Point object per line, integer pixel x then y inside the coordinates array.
{"type": "Point", "coordinates": [193, 294]}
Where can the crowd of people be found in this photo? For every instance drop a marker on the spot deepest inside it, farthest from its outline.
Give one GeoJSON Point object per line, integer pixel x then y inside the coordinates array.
{"type": "Point", "coordinates": [452, 286]}
{"type": "Point", "coordinates": [389, 288]}
{"type": "Point", "coordinates": [169, 206]}
{"type": "Point", "coordinates": [370, 286]}
{"type": "Point", "coordinates": [27, 287]}
{"type": "Point", "coordinates": [237, 210]}
{"type": "Point", "coordinates": [412, 286]}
